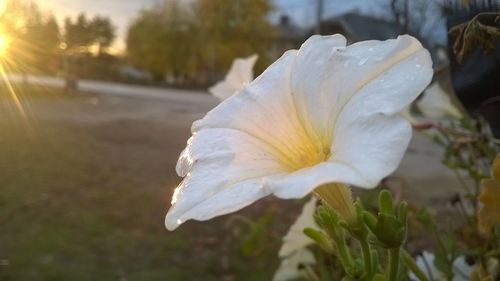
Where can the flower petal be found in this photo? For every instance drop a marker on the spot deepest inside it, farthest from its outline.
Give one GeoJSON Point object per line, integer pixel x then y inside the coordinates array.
{"type": "Point", "coordinates": [223, 170]}
{"type": "Point", "coordinates": [489, 213]}
{"type": "Point", "coordinates": [241, 70]}
{"type": "Point", "coordinates": [295, 239]}
{"type": "Point", "coordinates": [240, 74]}
{"type": "Point", "coordinates": [292, 267]}
{"type": "Point", "coordinates": [261, 108]}
{"type": "Point", "coordinates": [426, 262]}
{"type": "Point", "coordinates": [382, 139]}
{"type": "Point", "coordinates": [461, 269]}
{"type": "Point", "coordinates": [490, 195]}
{"type": "Point", "coordinates": [313, 68]}
{"type": "Point", "coordinates": [378, 76]}
{"type": "Point", "coordinates": [265, 110]}
{"type": "Point", "coordinates": [298, 184]}
{"type": "Point", "coordinates": [436, 104]}
{"type": "Point", "coordinates": [224, 89]}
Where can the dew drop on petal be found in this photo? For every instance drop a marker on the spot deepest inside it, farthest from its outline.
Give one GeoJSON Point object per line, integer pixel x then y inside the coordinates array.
{"type": "Point", "coordinates": [362, 61]}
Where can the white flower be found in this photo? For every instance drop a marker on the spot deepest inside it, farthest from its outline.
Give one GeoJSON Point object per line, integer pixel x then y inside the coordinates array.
{"type": "Point", "coordinates": [461, 270]}
{"type": "Point", "coordinates": [291, 268]}
{"type": "Point", "coordinates": [295, 240]}
{"type": "Point", "coordinates": [294, 252]}
{"type": "Point", "coordinates": [323, 114]}
{"type": "Point", "coordinates": [436, 104]}
{"type": "Point", "coordinates": [239, 75]}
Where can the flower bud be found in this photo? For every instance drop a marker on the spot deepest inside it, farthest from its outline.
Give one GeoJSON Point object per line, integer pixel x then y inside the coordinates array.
{"type": "Point", "coordinates": [339, 197]}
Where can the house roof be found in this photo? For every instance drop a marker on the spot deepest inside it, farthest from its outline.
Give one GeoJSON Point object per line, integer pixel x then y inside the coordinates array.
{"type": "Point", "coordinates": [359, 27]}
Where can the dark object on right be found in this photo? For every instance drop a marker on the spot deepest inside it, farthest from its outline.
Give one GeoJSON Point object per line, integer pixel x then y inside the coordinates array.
{"type": "Point", "coordinates": [474, 49]}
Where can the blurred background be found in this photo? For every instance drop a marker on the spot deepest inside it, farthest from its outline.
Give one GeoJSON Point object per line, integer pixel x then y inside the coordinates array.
{"type": "Point", "coordinates": [97, 98]}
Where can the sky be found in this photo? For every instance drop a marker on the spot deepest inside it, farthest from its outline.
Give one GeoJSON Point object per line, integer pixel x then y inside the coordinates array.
{"type": "Point", "coordinates": [122, 12]}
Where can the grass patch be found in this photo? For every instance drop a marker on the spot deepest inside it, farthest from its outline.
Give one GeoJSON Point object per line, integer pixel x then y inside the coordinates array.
{"type": "Point", "coordinates": [69, 211]}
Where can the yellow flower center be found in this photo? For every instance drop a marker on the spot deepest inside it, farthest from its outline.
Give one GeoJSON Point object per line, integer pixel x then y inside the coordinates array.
{"type": "Point", "coordinates": [305, 151]}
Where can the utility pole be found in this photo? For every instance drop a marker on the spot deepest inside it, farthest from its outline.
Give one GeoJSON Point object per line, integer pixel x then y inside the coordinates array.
{"type": "Point", "coordinates": [406, 17]}
{"type": "Point", "coordinates": [319, 16]}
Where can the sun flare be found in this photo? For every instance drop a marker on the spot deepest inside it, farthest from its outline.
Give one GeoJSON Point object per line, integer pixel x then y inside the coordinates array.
{"type": "Point", "coordinates": [4, 43]}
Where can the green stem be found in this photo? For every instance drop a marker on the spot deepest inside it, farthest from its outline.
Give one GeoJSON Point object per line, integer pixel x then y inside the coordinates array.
{"type": "Point", "coordinates": [462, 182]}
{"type": "Point", "coordinates": [345, 257]}
{"type": "Point", "coordinates": [393, 264]}
{"type": "Point", "coordinates": [408, 260]}
{"type": "Point", "coordinates": [449, 264]}
{"type": "Point", "coordinates": [367, 256]}
{"type": "Point", "coordinates": [464, 212]}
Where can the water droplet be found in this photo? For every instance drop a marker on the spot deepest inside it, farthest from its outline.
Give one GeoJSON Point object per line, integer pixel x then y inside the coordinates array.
{"type": "Point", "coordinates": [362, 61]}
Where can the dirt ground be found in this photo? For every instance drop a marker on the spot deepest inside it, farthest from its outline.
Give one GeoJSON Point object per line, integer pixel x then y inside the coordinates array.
{"type": "Point", "coordinates": [87, 180]}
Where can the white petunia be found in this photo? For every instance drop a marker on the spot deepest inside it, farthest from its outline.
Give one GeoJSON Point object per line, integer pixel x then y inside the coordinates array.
{"type": "Point", "coordinates": [326, 113]}
{"type": "Point", "coordinates": [461, 270]}
{"type": "Point", "coordinates": [239, 75]}
{"type": "Point", "coordinates": [294, 252]}
{"type": "Point", "coordinates": [436, 104]}
{"type": "Point", "coordinates": [295, 239]}
{"type": "Point", "coordinates": [292, 267]}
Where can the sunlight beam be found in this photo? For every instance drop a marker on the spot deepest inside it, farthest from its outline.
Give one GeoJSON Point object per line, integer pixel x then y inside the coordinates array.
{"type": "Point", "coordinates": [12, 92]}
{"type": "Point", "coordinates": [4, 44]}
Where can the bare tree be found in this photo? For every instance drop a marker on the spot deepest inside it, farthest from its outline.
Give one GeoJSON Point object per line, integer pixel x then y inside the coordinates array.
{"type": "Point", "coordinates": [418, 18]}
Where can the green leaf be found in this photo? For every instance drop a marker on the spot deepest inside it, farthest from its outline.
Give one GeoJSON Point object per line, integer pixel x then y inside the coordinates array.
{"type": "Point", "coordinates": [385, 202]}
{"type": "Point", "coordinates": [320, 238]}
